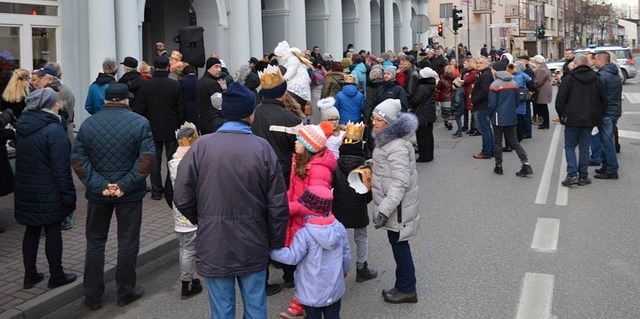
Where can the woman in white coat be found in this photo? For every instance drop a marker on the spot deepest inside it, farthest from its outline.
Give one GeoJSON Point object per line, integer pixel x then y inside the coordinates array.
{"type": "Point", "coordinates": [395, 192]}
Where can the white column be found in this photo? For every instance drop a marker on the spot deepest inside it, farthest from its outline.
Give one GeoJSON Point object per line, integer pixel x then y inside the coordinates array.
{"type": "Point", "coordinates": [255, 28]}
{"type": "Point", "coordinates": [127, 35]}
{"type": "Point", "coordinates": [388, 26]}
{"type": "Point", "coordinates": [297, 25]}
{"type": "Point", "coordinates": [363, 36]}
{"type": "Point", "coordinates": [334, 29]}
{"type": "Point", "coordinates": [423, 8]}
{"type": "Point", "coordinates": [102, 34]}
{"type": "Point", "coordinates": [405, 29]}
{"type": "Point", "coordinates": [238, 29]}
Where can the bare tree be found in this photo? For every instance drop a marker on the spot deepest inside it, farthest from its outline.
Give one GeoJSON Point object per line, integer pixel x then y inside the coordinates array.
{"type": "Point", "coordinates": [583, 14]}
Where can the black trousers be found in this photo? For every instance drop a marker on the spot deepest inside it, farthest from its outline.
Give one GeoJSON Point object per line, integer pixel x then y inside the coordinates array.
{"type": "Point", "coordinates": [52, 248]}
{"type": "Point", "coordinates": [157, 185]}
{"type": "Point", "coordinates": [424, 138]}
{"type": "Point", "coordinates": [509, 133]}
{"type": "Point", "coordinates": [542, 110]}
{"type": "Point", "coordinates": [129, 218]}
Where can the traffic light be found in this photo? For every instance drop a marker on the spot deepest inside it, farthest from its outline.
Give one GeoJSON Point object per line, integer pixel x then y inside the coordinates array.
{"type": "Point", "coordinates": [541, 31]}
{"type": "Point", "coordinates": [440, 29]}
{"type": "Point", "coordinates": [457, 19]}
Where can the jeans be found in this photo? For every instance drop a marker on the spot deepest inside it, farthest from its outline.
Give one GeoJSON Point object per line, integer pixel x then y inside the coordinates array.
{"type": "Point", "coordinates": [157, 186]}
{"type": "Point", "coordinates": [581, 137]}
{"type": "Point", "coordinates": [424, 138]}
{"type": "Point", "coordinates": [484, 125]}
{"type": "Point", "coordinates": [222, 295]}
{"type": "Point", "coordinates": [509, 133]}
{"type": "Point", "coordinates": [129, 218]}
{"type": "Point", "coordinates": [405, 269]}
{"type": "Point", "coordinates": [52, 248]}
{"type": "Point", "coordinates": [331, 311]}
{"type": "Point", "coordinates": [187, 243]}
{"type": "Point", "coordinates": [609, 158]}
{"type": "Point", "coordinates": [596, 149]}
{"type": "Point", "coordinates": [526, 129]}
{"type": "Point", "coordinates": [362, 244]}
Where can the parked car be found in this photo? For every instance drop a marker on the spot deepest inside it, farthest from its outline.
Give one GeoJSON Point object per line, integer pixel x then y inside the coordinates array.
{"type": "Point", "coordinates": [625, 59]}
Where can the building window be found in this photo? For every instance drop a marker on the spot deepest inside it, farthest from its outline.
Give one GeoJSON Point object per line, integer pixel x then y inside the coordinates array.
{"type": "Point", "coordinates": [44, 46]}
{"type": "Point", "coordinates": [30, 9]}
{"type": "Point", "coordinates": [10, 51]}
{"type": "Point", "coordinates": [445, 10]}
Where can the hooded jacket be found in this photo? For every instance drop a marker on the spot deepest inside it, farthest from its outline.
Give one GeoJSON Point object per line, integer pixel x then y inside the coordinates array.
{"type": "Point", "coordinates": [322, 255]}
{"type": "Point", "coordinates": [319, 172]}
{"type": "Point", "coordinates": [133, 80]}
{"type": "Point", "coordinates": [350, 104]}
{"type": "Point", "coordinates": [392, 90]}
{"type": "Point", "coordinates": [581, 100]}
{"type": "Point", "coordinates": [210, 118]}
{"type": "Point", "coordinates": [95, 97]}
{"type": "Point", "coordinates": [395, 179]}
{"type": "Point", "coordinates": [612, 89]}
{"type": "Point", "coordinates": [44, 190]}
{"type": "Point", "coordinates": [423, 101]}
{"type": "Point", "coordinates": [503, 100]}
{"type": "Point", "coordinates": [521, 78]}
{"type": "Point", "coordinates": [332, 84]}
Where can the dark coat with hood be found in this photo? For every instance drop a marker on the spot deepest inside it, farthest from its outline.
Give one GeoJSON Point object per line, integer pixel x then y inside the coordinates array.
{"type": "Point", "coordinates": [503, 100]}
{"type": "Point", "coordinates": [133, 79]}
{"type": "Point", "coordinates": [44, 189]}
{"type": "Point", "coordinates": [349, 207]}
{"type": "Point", "coordinates": [480, 91]}
{"type": "Point", "coordinates": [392, 90]}
{"type": "Point", "coordinates": [612, 89]}
{"type": "Point", "coordinates": [423, 101]}
{"type": "Point", "coordinates": [95, 97]}
{"type": "Point", "coordinates": [581, 100]}
{"type": "Point", "coordinates": [210, 118]}
{"type": "Point", "coordinates": [161, 102]}
{"type": "Point", "coordinates": [332, 84]}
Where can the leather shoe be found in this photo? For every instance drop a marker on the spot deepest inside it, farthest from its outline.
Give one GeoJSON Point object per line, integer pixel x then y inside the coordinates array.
{"type": "Point", "coordinates": [386, 292]}
{"type": "Point", "coordinates": [401, 297]}
{"type": "Point", "coordinates": [600, 170]}
{"type": "Point", "coordinates": [66, 279]}
{"type": "Point", "coordinates": [273, 289]}
{"type": "Point", "coordinates": [135, 295]}
{"type": "Point", "coordinates": [481, 156]}
{"type": "Point", "coordinates": [29, 282]}
{"type": "Point", "coordinates": [594, 163]}
{"type": "Point", "coordinates": [93, 305]}
{"type": "Point", "coordinates": [606, 176]}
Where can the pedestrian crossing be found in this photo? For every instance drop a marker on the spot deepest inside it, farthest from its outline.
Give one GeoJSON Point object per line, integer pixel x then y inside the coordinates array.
{"type": "Point", "coordinates": [633, 98]}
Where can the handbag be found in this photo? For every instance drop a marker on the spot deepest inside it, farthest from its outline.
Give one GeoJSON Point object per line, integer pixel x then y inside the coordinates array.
{"type": "Point", "coordinates": [525, 95]}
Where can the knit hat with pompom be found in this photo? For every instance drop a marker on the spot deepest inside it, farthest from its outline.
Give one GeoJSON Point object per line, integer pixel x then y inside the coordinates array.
{"type": "Point", "coordinates": [314, 137]}
{"type": "Point", "coordinates": [328, 109]}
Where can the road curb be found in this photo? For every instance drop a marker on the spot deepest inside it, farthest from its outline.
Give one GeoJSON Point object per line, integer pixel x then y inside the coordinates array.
{"type": "Point", "coordinates": [58, 297]}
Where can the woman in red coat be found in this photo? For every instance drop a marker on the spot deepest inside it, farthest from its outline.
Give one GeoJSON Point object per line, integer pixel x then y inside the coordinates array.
{"type": "Point", "coordinates": [444, 94]}
{"type": "Point", "coordinates": [468, 79]}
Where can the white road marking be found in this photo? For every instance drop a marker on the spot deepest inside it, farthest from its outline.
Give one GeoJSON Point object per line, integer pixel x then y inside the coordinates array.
{"type": "Point", "coordinates": [633, 98]}
{"type": "Point", "coordinates": [545, 180]}
{"type": "Point", "coordinates": [536, 296]}
{"type": "Point", "coordinates": [629, 134]}
{"type": "Point", "coordinates": [562, 196]}
{"type": "Point", "coordinates": [631, 113]}
{"type": "Point", "coordinates": [545, 237]}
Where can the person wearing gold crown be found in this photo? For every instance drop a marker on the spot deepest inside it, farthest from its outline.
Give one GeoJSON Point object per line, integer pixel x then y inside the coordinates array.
{"type": "Point", "coordinates": [350, 207]}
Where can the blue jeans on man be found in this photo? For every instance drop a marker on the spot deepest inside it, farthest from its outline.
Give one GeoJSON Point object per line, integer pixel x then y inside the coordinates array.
{"type": "Point", "coordinates": [596, 149]}
{"type": "Point", "coordinates": [609, 158]}
{"type": "Point", "coordinates": [405, 269]}
{"type": "Point", "coordinates": [222, 295]}
{"type": "Point", "coordinates": [484, 126]}
{"type": "Point", "coordinates": [579, 136]}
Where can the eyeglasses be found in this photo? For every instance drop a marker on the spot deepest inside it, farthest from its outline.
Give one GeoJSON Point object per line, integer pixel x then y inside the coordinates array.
{"type": "Point", "coordinates": [336, 119]}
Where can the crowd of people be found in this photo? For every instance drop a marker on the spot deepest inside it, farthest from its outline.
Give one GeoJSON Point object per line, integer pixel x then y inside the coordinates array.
{"type": "Point", "coordinates": [294, 126]}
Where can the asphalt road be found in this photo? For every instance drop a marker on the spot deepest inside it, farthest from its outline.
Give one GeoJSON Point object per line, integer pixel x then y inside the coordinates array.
{"type": "Point", "coordinates": [489, 246]}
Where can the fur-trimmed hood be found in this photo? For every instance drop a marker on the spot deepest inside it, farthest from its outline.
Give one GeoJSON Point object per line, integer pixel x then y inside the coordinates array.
{"type": "Point", "coordinates": [404, 127]}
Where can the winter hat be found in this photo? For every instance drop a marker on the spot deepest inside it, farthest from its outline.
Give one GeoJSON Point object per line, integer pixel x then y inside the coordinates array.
{"type": "Point", "coordinates": [211, 62]}
{"type": "Point", "coordinates": [328, 109]}
{"type": "Point", "coordinates": [314, 137]}
{"type": "Point", "coordinates": [272, 82]}
{"type": "Point", "coordinates": [238, 102]}
{"type": "Point", "coordinates": [428, 73]}
{"type": "Point", "coordinates": [47, 70]}
{"type": "Point", "coordinates": [216, 101]}
{"type": "Point", "coordinates": [161, 62]}
{"type": "Point", "coordinates": [388, 110]}
{"type": "Point", "coordinates": [372, 57]}
{"type": "Point", "coordinates": [385, 56]}
{"type": "Point", "coordinates": [117, 92]}
{"type": "Point", "coordinates": [391, 70]}
{"type": "Point", "coordinates": [376, 72]}
{"type": "Point", "coordinates": [521, 66]}
{"type": "Point", "coordinates": [318, 199]}
{"type": "Point", "coordinates": [39, 99]}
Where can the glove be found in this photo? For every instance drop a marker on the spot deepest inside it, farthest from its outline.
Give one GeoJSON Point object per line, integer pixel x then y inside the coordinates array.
{"type": "Point", "coordinates": [380, 221]}
{"type": "Point", "coordinates": [7, 117]}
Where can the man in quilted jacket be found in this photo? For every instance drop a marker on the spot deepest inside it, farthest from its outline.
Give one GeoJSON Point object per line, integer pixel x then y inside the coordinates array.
{"type": "Point", "coordinates": [112, 156]}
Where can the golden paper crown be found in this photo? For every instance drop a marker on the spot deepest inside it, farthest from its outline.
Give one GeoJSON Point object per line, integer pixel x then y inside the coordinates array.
{"type": "Point", "coordinates": [354, 132]}
{"type": "Point", "coordinates": [271, 77]}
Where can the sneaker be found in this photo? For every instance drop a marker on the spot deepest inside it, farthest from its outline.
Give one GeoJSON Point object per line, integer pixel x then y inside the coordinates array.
{"type": "Point", "coordinates": [457, 134]}
{"type": "Point", "coordinates": [481, 156]}
{"type": "Point", "coordinates": [365, 273]}
{"type": "Point", "coordinates": [190, 288]}
{"type": "Point", "coordinates": [474, 133]}
{"type": "Point", "coordinates": [584, 181]}
{"type": "Point", "coordinates": [606, 176]}
{"type": "Point", "coordinates": [135, 295]}
{"type": "Point", "coordinates": [525, 171]}
{"type": "Point", "coordinates": [68, 222]}
{"type": "Point", "coordinates": [570, 180]}
{"type": "Point", "coordinates": [498, 170]}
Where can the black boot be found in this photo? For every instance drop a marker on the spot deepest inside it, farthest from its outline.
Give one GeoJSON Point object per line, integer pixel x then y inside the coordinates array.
{"type": "Point", "coordinates": [191, 288]}
{"type": "Point", "coordinates": [365, 273]}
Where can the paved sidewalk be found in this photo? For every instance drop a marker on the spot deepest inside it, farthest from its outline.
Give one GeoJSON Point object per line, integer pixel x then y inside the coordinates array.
{"type": "Point", "coordinates": [156, 238]}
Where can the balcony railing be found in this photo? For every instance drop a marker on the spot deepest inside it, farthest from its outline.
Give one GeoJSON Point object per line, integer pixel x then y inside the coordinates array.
{"type": "Point", "coordinates": [512, 11]}
{"type": "Point", "coordinates": [482, 6]}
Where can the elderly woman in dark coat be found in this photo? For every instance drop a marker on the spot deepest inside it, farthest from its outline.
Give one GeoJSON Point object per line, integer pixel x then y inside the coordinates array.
{"type": "Point", "coordinates": [44, 189]}
{"type": "Point", "coordinates": [542, 82]}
